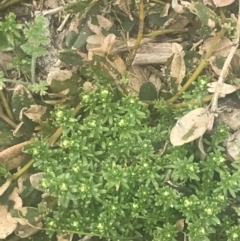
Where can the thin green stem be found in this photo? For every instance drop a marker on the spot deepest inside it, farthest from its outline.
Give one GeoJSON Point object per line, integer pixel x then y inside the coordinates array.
{"type": "Point", "coordinates": [201, 66]}
{"type": "Point", "coordinates": [33, 67]}
{"type": "Point", "coordinates": [6, 105]}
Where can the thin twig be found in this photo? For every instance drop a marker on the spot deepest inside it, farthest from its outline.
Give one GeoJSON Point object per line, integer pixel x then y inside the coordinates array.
{"type": "Point", "coordinates": [7, 119]}
{"type": "Point", "coordinates": [224, 72]}
{"type": "Point", "coordinates": [9, 3]}
{"type": "Point", "coordinates": [140, 32]}
{"type": "Point", "coordinates": [60, 28]}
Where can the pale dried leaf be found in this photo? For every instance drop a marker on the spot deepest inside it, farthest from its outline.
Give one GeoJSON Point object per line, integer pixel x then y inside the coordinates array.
{"type": "Point", "coordinates": [224, 89]}
{"type": "Point", "coordinates": [35, 112]}
{"type": "Point", "coordinates": [222, 49]}
{"type": "Point", "coordinates": [65, 237]}
{"type": "Point", "coordinates": [177, 7]}
{"type": "Point", "coordinates": [212, 62]}
{"type": "Point", "coordinates": [7, 224]}
{"type": "Point", "coordinates": [89, 87]}
{"type": "Point", "coordinates": [190, 127]}
{"type": "Point", "coordinates": [13, 156]}
{"type": "Point", "coordinates": [58, 74]}
{"type": "Point", "coordinates": [14, 196]}
{"type": "Point", "coordinates": [103, 23]}
{"type": "Point", "coordinates": [105, 48]}
{"type": "Point", "coordinates": [232, 144]}
{"type": "Point", "coordinates": [154, 78]}
{"type": "Point", "coordinates": [21, 180]}
{"type": "Point", "coordinates": [124, 6]}
{"type": "Point", "coordinates": [35, 179]}
{"type": "Point", "coordinates": [177, 48]}
{"type": "Point", "coordinates": [178, 68]}
{"type": "Point", "coordinates": [94, 41]}
{"type": "Point", "coordinates": [24, 231]}
{"type": "Point", "coordinates": [222, 3]}
{"type": "Point", "coordinates": [201, 148]}
{"type": "Point", "coordinates": [231, 118]}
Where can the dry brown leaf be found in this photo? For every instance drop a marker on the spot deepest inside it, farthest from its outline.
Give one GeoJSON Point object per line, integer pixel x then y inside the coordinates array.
{"type": "Point", "coordinates": [212, 62]}
{"type": "Point", "coordinates": [231, 118]}
{"type": "Point", "coordinates": [178, 67]}
{"type": "Point", "coordinates": [58, 74]}
{"type": "Point", "coordinates": [177, 7]}
{"type": "Point", "coordinates": [124, 6]}
{"type": "Point", "coordinates": [35, 112]}
{"type": "Point", "coordinates": [21, 180]}
{"type": "Point", "coordinates": [103, 23]}
{"type": "Point", "coordinates": [154, 78]}
{"type": "Point", "coordinates": [7, 223]}
{"type": "Point", "coordinates": [225, 89]}
{"type": "Point", "coordinates": [105, 48]}
{"type": "Point", "coordinates": [190, 127]}
{"type": "Point", "coordinates": [13, 156]}
{"type": "Point", "coordinates": [222, 49]}
{"type": "Point", "coordinates": [35, 180]}
{"type": "Point", "coordinates": [24, 231]}
{"type": "Point", "coordinates": [89, 87]}
{"type": "Point", "coordinates": [232, 144]}
{"type": "Point", "coordinates": [94, 41]}
{"type": "Point", "coordinates": [65, 237]}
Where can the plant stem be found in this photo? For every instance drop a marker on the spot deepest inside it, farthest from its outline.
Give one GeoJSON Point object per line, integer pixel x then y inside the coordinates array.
{"type": "Point", "coordinates": [7, 119]}
{"type": "Point", "coordinates": [191, 102]}
{"type": "Point", "coordinates": [5, 105]}
{"type": "Point", "coordinates": [13, 81]}
{"type": "Point", "coordinates": [140, 32]}
{"type": "Point", "coordinates": [22, 170]}
{"type": "Point", "coordinates": [33, 67]}
{"type": "Point", "coordinates": [156, 33]}
{"type": "Point", "coordinates": [8, 3]}
{"type": "Point", "coordinates": [201, 66]}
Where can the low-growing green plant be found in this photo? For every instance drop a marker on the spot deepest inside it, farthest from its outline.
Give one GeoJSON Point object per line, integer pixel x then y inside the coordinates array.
{"type": "Point", "coordinates": [37, 37]}
{"type": "Point", "coordinates": [113, 177]}
{"type": "Point", "coordinates": [10, 33]}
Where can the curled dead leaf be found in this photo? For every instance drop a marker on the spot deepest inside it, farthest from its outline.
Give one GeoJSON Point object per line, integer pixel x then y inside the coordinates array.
{"type": "Point", "coordinates": [224, 89]}
{"type": "Point", "coordinates": [190, 127]}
